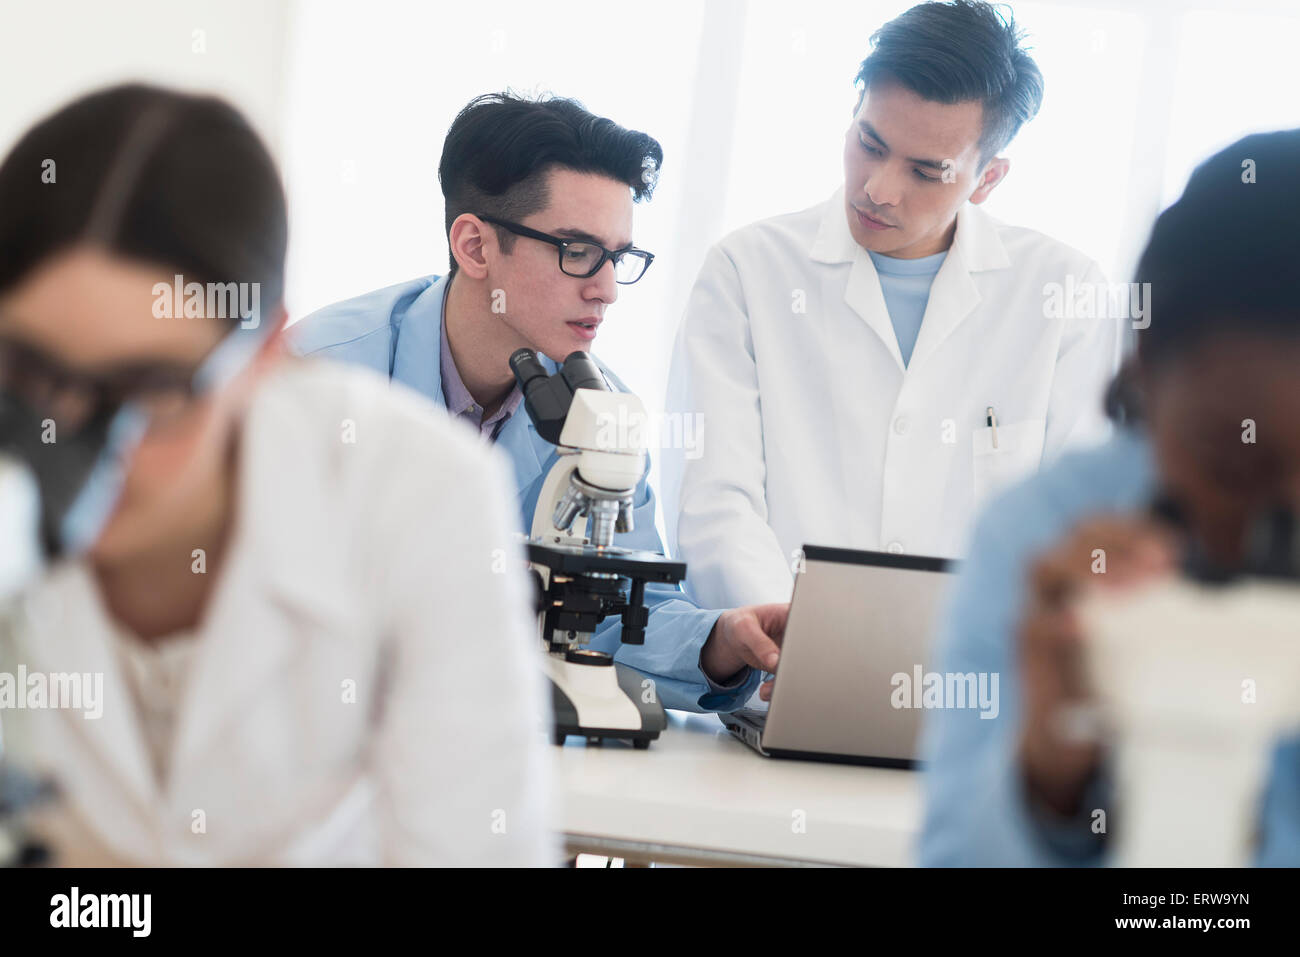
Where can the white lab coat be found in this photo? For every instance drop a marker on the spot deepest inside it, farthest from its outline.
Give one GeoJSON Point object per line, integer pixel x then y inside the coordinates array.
{"type": "Point", "coordinates": [365, 687]}
{"type": "Point", "coordinates": [813, 430]}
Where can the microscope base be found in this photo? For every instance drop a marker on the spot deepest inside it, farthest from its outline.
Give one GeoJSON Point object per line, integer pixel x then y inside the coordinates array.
{"type": "Point", "coordinates": [603, 702]}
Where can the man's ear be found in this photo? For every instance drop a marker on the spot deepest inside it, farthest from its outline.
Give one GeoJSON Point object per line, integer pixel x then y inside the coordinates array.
{"type": "Point", "coordinates": [994, 173]}
{"type": "Point", "coordinates": [471, 240]}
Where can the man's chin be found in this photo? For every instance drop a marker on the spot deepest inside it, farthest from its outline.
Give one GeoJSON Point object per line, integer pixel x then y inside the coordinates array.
{"type": "Point", "coordinates": [559, 351]}
{"type": "Point", "coordinates": [886, 242]}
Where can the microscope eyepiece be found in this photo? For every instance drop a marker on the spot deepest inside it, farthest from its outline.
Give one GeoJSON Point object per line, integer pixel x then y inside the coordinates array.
{"type": "Point", "coordinates": [581, 372]}
{"type": "Point", "coordinates": [527, 368]}
{"type": "Point", "coordinates": [1272, 544]}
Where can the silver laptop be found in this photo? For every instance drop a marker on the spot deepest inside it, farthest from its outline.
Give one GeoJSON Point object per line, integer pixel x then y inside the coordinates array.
{"type": "Point", "coordinates": [857, 639]}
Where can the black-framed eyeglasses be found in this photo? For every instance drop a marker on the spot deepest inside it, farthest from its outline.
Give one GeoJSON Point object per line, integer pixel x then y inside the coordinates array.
{"type": "Point", "coordinates": [163, 391]}
{"type": "Point", "coordinates": [583, 259]}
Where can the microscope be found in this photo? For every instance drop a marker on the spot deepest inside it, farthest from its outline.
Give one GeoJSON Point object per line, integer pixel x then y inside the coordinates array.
{"type": "Point", "coordinates": [1198, 678]}
{"type": "Point", "coordinates": [582, 577]}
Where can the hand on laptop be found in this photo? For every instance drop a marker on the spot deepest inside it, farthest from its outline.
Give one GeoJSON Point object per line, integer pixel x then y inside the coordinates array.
{"type": "Point", "coordinates": [1057, 764]}
{"type": "Point", "coordinates": [745, 637]}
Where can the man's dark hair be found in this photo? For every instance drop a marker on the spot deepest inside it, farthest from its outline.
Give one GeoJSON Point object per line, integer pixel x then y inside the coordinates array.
{"type": "Point", "coordinates": [150, 174]}
{"type": "Point", "coordinates": [1225, 258]}
{"type": "Point", "coordinates": [960, 51]}
{"type": "Point", "coordinates": [501, 146]}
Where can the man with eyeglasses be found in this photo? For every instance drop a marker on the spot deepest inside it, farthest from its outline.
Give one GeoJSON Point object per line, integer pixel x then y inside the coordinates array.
{"type": "Point", "coordinates": [539, 198]}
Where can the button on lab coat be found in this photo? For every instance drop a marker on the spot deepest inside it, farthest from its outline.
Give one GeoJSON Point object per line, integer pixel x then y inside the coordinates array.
{"type": "Point", "coordinates": [813, 431]}
{"type": "Point", "coordinates": [397, 331]}
{"type": "Point", "coordinates": [363, 689]}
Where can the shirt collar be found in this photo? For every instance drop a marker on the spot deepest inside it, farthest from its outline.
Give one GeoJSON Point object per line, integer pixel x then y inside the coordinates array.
{"type": "Point", "coordinates": [454, 393]}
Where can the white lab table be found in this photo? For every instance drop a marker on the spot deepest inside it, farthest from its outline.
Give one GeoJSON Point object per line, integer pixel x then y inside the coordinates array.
{"type": "Point", "coordinates": [699, 796]}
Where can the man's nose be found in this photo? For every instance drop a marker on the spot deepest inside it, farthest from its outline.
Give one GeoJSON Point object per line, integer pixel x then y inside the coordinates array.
{"type": "Point", "coordinates": [602, 286]}
{"type": "Point", "coordinates": [881, 188]}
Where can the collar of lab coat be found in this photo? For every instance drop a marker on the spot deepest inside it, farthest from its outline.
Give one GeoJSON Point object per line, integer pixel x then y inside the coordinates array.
{"type": "Point", "coordinates": [284, 582]}
{"type": "Point", "coordinates": [976, 247]}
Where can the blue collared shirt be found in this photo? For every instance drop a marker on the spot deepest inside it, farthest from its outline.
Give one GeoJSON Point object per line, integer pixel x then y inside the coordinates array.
{"type": "Point", "coordinates": [977, 813]}
{"type": "Point", "coordinates": [905, 284]}
{"type": "Point", "coordinates": [398, 331]}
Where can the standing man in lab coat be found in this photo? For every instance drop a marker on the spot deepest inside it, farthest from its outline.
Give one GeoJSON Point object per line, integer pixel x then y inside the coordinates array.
{"type": "Point", "coordinates": [539, 198]}
{"type": "Point", "coordinates": [870, 368]}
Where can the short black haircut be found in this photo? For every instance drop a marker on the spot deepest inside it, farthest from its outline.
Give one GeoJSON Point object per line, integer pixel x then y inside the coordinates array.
{"type": "Point", "coordinates": [956, 52]}
{"type": "Point", "coordinates": [502, 145]}
{"type": "Point", "coordinates": [1225, 258]}
{"type": "Point", "coordinates": [151, 174]}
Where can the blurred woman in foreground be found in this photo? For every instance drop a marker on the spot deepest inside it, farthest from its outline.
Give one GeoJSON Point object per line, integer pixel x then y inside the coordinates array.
{"type": "Point", "coordinates": [251, 653]}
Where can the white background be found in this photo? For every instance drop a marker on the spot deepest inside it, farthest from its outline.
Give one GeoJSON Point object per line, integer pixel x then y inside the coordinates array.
{"type": "Point", "coordinates": [749, 99]}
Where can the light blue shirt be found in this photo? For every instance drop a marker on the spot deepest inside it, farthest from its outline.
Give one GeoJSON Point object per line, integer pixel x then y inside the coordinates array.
{"type": "Point", "coordinates": [397, 331]}
{"type": "Point", "coordinates": [906, 287]}
{"type": "Point", "coordinates": [976, 811]}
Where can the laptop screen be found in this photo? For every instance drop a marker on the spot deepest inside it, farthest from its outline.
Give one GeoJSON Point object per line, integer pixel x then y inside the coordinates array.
{"type": "Point", "coordinates": [858, 637]}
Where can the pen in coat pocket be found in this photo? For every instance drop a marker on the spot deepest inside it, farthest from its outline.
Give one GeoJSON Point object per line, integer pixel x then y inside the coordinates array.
{"type": "Point", "coordinates": [992, 420]}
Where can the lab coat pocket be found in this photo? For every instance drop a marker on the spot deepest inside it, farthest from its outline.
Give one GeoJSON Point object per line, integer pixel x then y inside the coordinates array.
{"type": "Point", "coordinates": [1016, 456]}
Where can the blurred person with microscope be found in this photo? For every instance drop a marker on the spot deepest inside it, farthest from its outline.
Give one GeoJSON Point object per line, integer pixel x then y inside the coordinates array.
{"type": "Point", "coordinates": [1194, 500]}
{"type": "Point", "coordinates": [285, 658]}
